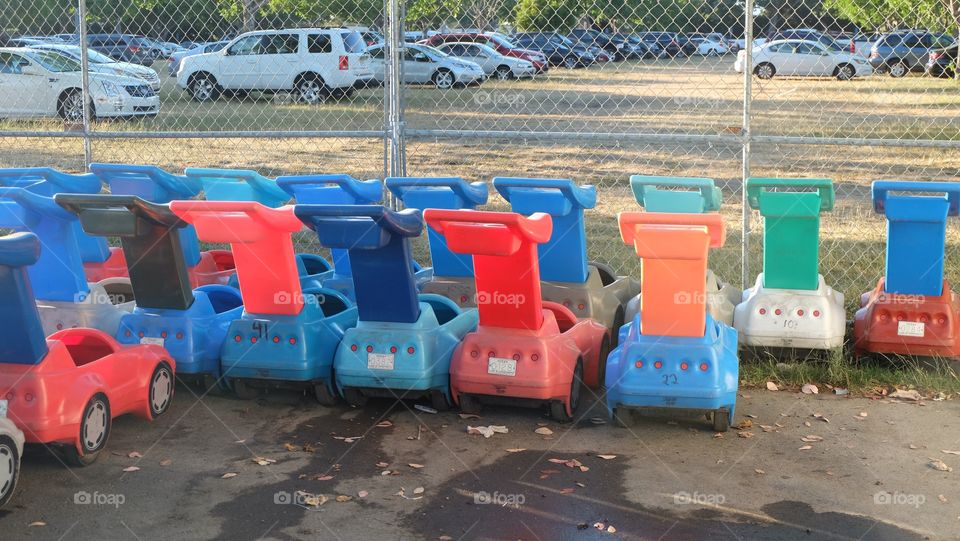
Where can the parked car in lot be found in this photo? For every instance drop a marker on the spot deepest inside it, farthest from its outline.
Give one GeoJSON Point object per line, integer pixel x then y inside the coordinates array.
{"type": "Point", "coordinates": [900, 52]}
{"type": "Point", "coordinates": [638, 48]}
{"type": "Point", "coordinates": [101, 63]}
{"type": "Point", "coordinates": [426, 65]}
{"type": "Point", "coordinates": [557, 52]}
{"type": "Point", "coordinates": [492, 62]}
{"type": "Point", "coordinates": [599, 53]}
{"type": "Point", "coordinates": [728, 42]}
{"type": "Point", "coordinates": [36, 83]}
{"type": "Point", "coordinates": [794, 57]}
{"type": "Point", "coordinates": [613, 47]}
{"type": "Point", "coordinates": [124, 47]}
{"type": "Point", "coordinates": [809, 34]}
{"type": "Point", "coordinates": [312, 63]}
{"type": "Point", "coordinates": [174, 66]}
{"type": "Point", "coordinates": [502, 45]}
{"type": "Point", "coordinates": [943, 62]}
{"type": "Point", "coordinates": [708, 47]}
{"type": "Point", "coordinates": [674, 44]}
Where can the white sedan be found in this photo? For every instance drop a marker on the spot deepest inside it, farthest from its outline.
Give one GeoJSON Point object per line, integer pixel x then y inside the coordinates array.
{"type": "Point", "coordinates": [47, 84]}
{"type": "Point", "coordinates": [795, 57]}
{"type": "Point", "coordinates": [101, 63]}
{"type": "Point", "coordinates": [492, 62]}
{"type": "Point", "coordinates": [709, 47]}
{"type": "Point", "coordinates": [426, 65]}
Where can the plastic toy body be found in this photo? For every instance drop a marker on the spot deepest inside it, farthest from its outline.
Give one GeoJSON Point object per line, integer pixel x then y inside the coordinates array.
{"type": "Point", "coordinates": [191, 325]}
{"type": "Point", "coordinates": [673, 355]}
{"type": "Point", "coordinates": [913, 310]}
{"type": "Point", "coordinates": [402, 344]}
{"type": "Point", "coordinates": [11, 449]}
{"type": "Point", "coordinates": [590, 291]}
{"type": "Point", "coordinates": [791, 306]}
{"type": "Point", "coordinates": [451, 274]}
{"type": "Point", "coordinates": [155, 185]}
{"type": "Point", "coordinates": [286, 335]}
{"type": "Point", "coordinates": [693, 196]}
{"type": "Point", "coordinates": [524, 349]}
{"type": "Point", "coordinates": [66, 389]}
{"type": "Point", "coordinates": [63, 295]}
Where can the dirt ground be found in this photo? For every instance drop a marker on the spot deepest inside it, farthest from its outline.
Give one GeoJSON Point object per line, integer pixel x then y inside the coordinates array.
{"type": "Point", "coordinates": [808, 467]}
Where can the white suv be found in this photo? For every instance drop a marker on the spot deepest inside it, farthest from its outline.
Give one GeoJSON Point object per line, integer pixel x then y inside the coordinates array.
{"type": "Point", "coordinates": [312, 63]}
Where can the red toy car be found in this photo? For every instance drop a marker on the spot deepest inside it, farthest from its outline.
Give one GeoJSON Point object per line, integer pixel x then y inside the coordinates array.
{"type": "Point", "coordinates": [525, 350]}
{"type": "Point", "coordinates": [499, 44]}
{"type": "Point", "coordinates": [66, 389]}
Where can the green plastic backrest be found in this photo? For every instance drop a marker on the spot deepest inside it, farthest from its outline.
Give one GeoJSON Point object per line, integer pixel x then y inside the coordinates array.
{"type": "Point", "coordinates": [695, 195]}
{"type": "Point", "coordinates": [791, 210]}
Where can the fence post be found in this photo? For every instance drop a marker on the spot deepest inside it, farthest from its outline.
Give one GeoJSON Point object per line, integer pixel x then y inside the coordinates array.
{"type": "Point", "coordinates": [84, 82]}
{"type": "Point", "coordinates": [746, 134]}
{"type": "Point", "coordinates": [393, 87]}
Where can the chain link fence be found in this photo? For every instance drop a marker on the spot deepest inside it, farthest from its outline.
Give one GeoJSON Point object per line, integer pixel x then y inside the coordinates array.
{"type": "Point", "coordinates": [592, 91]}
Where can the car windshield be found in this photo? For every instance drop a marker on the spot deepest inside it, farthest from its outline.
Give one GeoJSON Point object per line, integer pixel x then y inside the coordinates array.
{"type": "Point", "coordinates": [942, 40]}
{"type": "Point", "coordinates": [502, 41]}
{"type": "Point", "coordinates": [557, 38]}
{"type": "Point", "coordinates": [98, 58]}
{"type": "Point", "coordinates": [434, 54]}
{"type": "Point", "coordinates": [353, 42]}
{"type": "Point", "coordinates": [55, 62]}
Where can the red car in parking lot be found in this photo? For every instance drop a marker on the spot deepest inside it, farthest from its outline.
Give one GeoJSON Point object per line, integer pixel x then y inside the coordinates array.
{"type": "Point", "coordinates": [501, 45]}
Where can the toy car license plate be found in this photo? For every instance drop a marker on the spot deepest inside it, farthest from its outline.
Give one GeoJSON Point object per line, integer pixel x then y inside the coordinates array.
{"type": "Point", "coordinates": [3, 408]}
{"type": "Point", "coordinates": [380, 361]}
{"type": "Point", "coordinates": [152, 341]}
{"type": "Point", "coordinates": [910, 328]}
{"type": "Point", "coordinates": [501, 367]}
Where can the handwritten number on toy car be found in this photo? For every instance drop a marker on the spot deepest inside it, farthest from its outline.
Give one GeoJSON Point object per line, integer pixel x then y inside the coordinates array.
{"type": "Point", "coordinates": [261, 328]}
{"type": "Point", "coordinates": [789, 324]}
{"type": "Point", "coordinates": [670, 379]}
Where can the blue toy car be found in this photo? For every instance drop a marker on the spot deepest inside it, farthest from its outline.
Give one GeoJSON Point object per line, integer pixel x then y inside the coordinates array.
{"type": "Point", "coordinates": [287, 336]}
{"type": "Point", "coordinates": [674, 356]}
{"type": "Point", "coordinates": [191, 325]}
{"type": "Point", "coordinates": [452, 274]}
{"type": "Point", "coordinates": [402, 344]}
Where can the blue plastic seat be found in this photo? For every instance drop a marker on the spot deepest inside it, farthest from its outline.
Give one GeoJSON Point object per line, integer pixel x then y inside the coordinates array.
{"type": "Point", "coordinates": [451, 193]}
{"type": "Point", "coordinates": [238, 185]}
{"type": "Point", "coordinates": [564, 257]}
{"type": "Point", "coordinates": [22, 338]}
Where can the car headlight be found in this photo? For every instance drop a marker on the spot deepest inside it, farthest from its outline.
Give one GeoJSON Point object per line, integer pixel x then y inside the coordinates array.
{"type": "Point", "coordinates": [109, 88]}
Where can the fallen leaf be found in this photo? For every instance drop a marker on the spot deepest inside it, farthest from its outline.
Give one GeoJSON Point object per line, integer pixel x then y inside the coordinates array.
{"type": "Point", "coordinates": [806, 448]}
{"type": "Point", "coordinates": [36, 524]}
{"type": "Point", "coordinates": [382, 464]}
{"type": "Point", "coordinates": [313, 500]}
{"type": "Point", "coordinates": [566, 491]}
{"type": "Point", "coordinates": [939, 465]}
{"type": "Point", "coordinates": [611, 529]}
{"type": "Point", "coordinates": [516, 450]}
{"type": "Point", "coordinates": [767, 428]}
{"type": "Point", "coordinates": [228, 475]}
{"type": "Point", "coordinates": [129, 469]}
{"type": "Point", "coordinates": [487, 431]}
{"type": "Point", "coordinates": [744, 424]}
{"type": "Point", "coordinates": [598, 421]}
{"type": "Point", "coordinates": [425, 409]}
{"type": "Point", "coordinates": [820, 417]}
{"type": "Point", "coordinates": [949, 452]}
{"type": "Point", "coordinates": [806, 423]}
{"type": "Point", "coordinates": [718, 435]}
{"type": "Point", "coordinates": [811, 438]}
{"type": "Point", "coordinates": [263, 461]}
{"type": "Point", "coordinates": [240, 441]}
{"type": "Point", "coordinates": [544, 431]}
{"type": "Point", "coordinates": [584, 469]}
{"type": "Point", "coordinates": [810, 388]}
{"type": "Point", "coordinates": [744, 434]}
{"type": "Point", "coordinates": [906, 394]}
{"type": "Point", "coordinates": [309, 448]}
{"type": "Point", "coordinates": [415, 466]}
{"type": "Point", "coordinates": [384, 424]}
{"type": "Point", "coordinates": [761, 472]}
{"type": "Point", "coordinates": [445, 538]}
{"type": "Point", "coordinates": [581, 485]}
{"type": "Point", "coordinates": [862, 414]}
{"type": "Point", "coordinates": [469, 416]}
{"type": "Point", "coordinates": [385, 472]}
{"type": "Point", "coordinates": [418, 490]}
{"type": "Point", "coordinates": [771, 386]}
{"type": "Point", "coordinates": [321, 477]}
{"type": "Point", "coordinates": [942, 498]}
{"type": "Point", "coordinates": [290, 447]}
{"type": "Point", "coordinates": [134, 454]}
{"type": "Point", "coordinates": [750, 415]}
{"type": "Point", "coordinates": [363, 494]}
{"type": "Point", "coordinates": [344, 498]}
{"type": "Point", "coordinates": [912, 446]}
{"type": "Point", "coordinates": [166, 462]}
{"type": "Point", "coordinates": [557, 460]}
{"type": "Point", "coordinates": [607, 457]}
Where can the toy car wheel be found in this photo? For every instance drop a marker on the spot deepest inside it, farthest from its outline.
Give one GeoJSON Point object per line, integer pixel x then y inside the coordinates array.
{"type": "Point", "coordinates": [161, 389]}
{"type": "Point", "coordinates": [94, 432]}
{"type": "Point", "coordinates": [211, 385]}
{"type": "Point", "coordinates": [619, 417]}
{"type": "Point", "coordinates": [354, 397]}
{"type": "Point", "coordinates": [324, 395]}
{"type": "Point", "coordinates": [721, 420]}
{"type": "Point", "coordinates": [9, 469]}
{"type": "Point", "coordinates": [439, 401]}
{"type": "Point", "coordinates": [244, 391]}
{"type": "Point", "coordinates": [602, 362]}
{"type": "Point", "coordinates": [558, 409]}
{"type": "Point", "coordinates": [470, 404]}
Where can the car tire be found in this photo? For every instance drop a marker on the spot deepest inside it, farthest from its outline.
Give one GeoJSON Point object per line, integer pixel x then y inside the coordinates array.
{"type": "Point", "coordinates": [602, 362]}
{"type": "Point", "coordinates": [444, 79]}
{"type": "Point", "coordinates": [470, 404]}
{"type": "Point", "coordinates": [558, 409]}
{"type": "Point", "coordinates": [845, 72]}
{"type": "Point", "coordinates": [438, 400]}
{"type": "Point", "coordinates": [9, 469]}
{"type": "Point", "coordinates": [503, 73]}
{"type": "Point", "coordinates": [721, 420]}
{"type": "Point", "coordinates": [354, 397]}
{"type": "Point", "coordinates": [765, 71]}
{"type": "Point", "coordinates": [94, 432]}
{"type": "Point", "coordinates": [898, 69]}
{"type": "Point", "coordinates": [244, 391]}
{"type": "Point", "coordinates": [204, 88]}
{"type": "Point", "coordinates": [324, 395]}
{"type": "Point", "coordinates": [570, 62]}
{"type": "Point", "coordinates": [70, 106]}
{"type": "Point", "coordinates": [311, 90]}
{"type": "Point", "coordinates": [160, 393]}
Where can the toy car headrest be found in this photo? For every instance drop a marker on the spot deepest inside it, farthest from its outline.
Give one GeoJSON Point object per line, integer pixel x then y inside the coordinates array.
{"type": "Point", "coordinates": [488, 233]}
{"type": "Point", "coordinates": [147, 181]}
{"type": "Point", "coordinates": [21, 207]}
{"type": "Point", "coordinates": [359, 226]}
{"type": "Point", "coordinates": [437, 192]}
{"type": "Point", "coordinates": [558, 197]}
{"type": "Point", "coordinates": [949, 191]}
{"type": "Point", "coordinates": [238, 185]}
{"type": "Point", "coordinates": [21, 336]}
{"type": "Point", "coordinates": [760, 188]}
{"type": "Point", "coordinates": [694, 194]}
{"type": "Point", "coordinates": [331, 189]}
{"type": "Point", "coordinates": [49, 181]}
{"type": "Point", "coordinates": [19, 250]}
{"type": "Point", "coordinates": [712, 223]}
{"type": "Point", "coordinates": [117, 215]}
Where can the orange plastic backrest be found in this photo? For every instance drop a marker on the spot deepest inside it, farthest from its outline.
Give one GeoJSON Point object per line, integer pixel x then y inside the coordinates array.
{"type": "Point", "coordinates": [507, 272]}
{"type": "Point", "coordinates": [260, 238]}
{"type": "Point", "coordinates": [673, 249]}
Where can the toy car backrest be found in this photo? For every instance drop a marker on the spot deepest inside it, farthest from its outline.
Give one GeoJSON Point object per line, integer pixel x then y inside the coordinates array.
{"type": "Point", "coordinates": [238, 185]}
{"type": "Point", "coordinates": [791, 209]}
{"type": "Point", "coordinates": [441, 193]}
{"type": "Point", "coordinates": [47, 181]}
{"type": "Point", "coordinates": [310, 264]}
{"type": "Point", "coordinates": [331, 301]}
{"type": "Point", "coordinates": [86, 345]}
{"type": "Point", "coordinates": [564, 257]}
{"type": "Point", "coordinates": [222, 298]}
{"type": "Point", "coordinates": [565, 317]}
{"type": "Point", "coordinates": [58, 274]}
{"type": "Point", "coordinates": [155, 185]}
{"type": "Point", "coordinates": [673, 248]}
{"type": "Point", "coordinates": [151, 245]}
{"type": "Point", "coordinates": [916, 232]}
{"type": "Point", "coordinates": [21, 336]}
{"type": "Point", "coordinates": [376, 240]}
{"type": "Point", "coordinates": [443, 308]}
{"type": "Point", "coordinates": [332, 190]}
{"type": "Point", "coordinates": [260, 238]}
{"type": "Point", "coordinates": [676, 194]}
{"type": "Point", "coordinates": [504, 248]}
